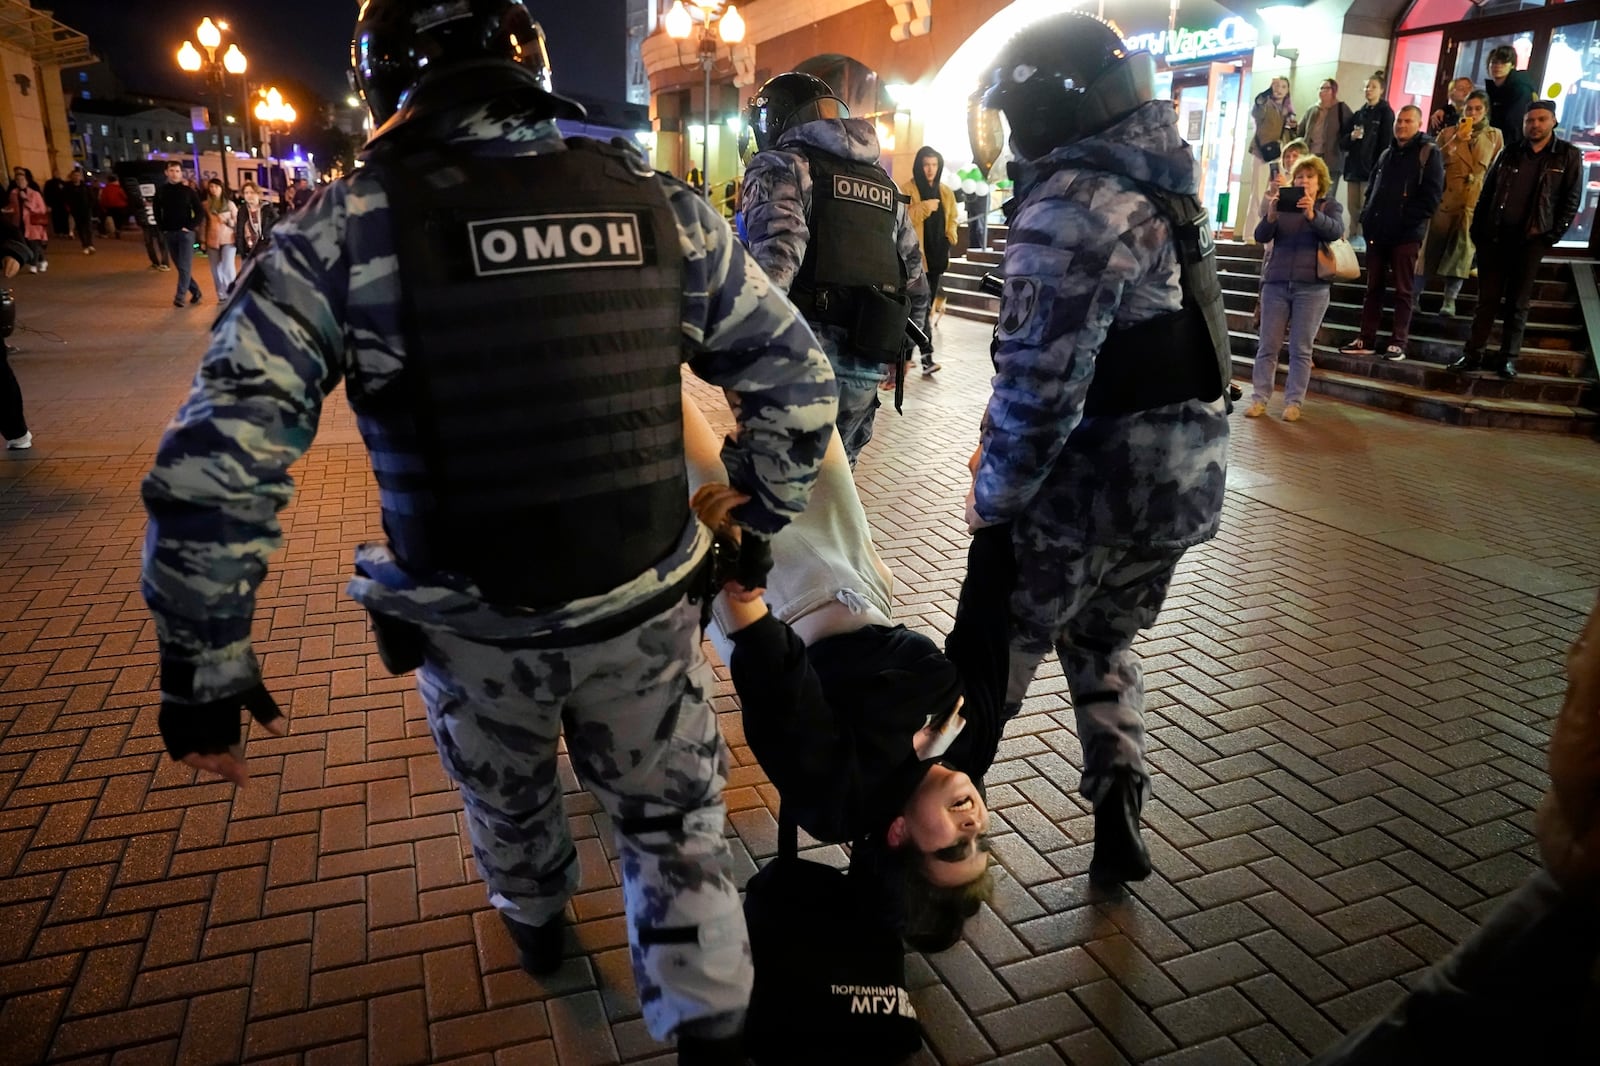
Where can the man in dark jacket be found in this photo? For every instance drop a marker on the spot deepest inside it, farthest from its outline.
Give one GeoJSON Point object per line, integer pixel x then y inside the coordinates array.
{"type": "Point", "coordinates": [1405, 190]}
{"type": "Point", "coordinates": [178, 215]}
{"type": "Point", "coordinates": [1529, 199]}
{"type": "Point", "coordinates": [1510, 92]}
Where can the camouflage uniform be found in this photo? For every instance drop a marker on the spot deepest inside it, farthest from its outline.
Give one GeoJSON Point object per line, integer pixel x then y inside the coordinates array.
{"type": "Point", "coordinates": [320, 304]}
{"type": "Point", "coordinates": [1103, 506]}
{"type": "Point", "coordinates": [776, 200]}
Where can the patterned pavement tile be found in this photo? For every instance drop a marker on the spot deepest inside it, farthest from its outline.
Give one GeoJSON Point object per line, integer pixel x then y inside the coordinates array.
{"type": "Point", "coordinates": [1351, 691]}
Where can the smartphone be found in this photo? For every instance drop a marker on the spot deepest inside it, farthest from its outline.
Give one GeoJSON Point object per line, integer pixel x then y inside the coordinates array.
{"type": "Point", "coordinates": [1289, 197]}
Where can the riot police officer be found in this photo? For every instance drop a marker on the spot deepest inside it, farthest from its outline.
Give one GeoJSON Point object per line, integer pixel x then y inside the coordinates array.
{"type": "Point", "coordinates": [830, 228]}
{"type": "Point", "coordinates": [1106, 438]}
{"type": "Point", "coordinates": [508, 313]}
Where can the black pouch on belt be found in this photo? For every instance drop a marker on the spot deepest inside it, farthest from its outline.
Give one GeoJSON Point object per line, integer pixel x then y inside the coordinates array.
{"type": "Point", "coordinates": [400, 644]}
{"type": "Point", "coordinates": [880, 329]}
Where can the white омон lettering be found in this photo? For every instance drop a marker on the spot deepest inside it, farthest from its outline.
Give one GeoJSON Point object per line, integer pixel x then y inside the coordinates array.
{"type": "Point", "coordinates": [585, 239]}
{"type": "Point", "coordinates": [622, 239]}
{"type": "Point", "coordinates": [549, 246]}
{"type": "Point", "coordinates": [498, 246]}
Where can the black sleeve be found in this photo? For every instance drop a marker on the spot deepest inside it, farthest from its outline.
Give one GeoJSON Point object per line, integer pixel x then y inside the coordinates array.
{"type": "Point", "coordinates": [979, 646]}
{"type": "Point", "coordinates": [794, 733]}
{"type": "Point", "coordinates": [1568, 195]}
{"type": "Point", "coordinates": [1479, 230]}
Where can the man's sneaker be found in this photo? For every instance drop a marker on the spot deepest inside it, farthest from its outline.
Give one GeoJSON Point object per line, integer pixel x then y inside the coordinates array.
{"type": "Point", "coordinates": [538, 946]}
{"type": "Point", "coordinates": [33, 268]}
{"type": "Point", "coordinates": [22, 443]}
{"type": "Point", "coordinates": [166, 266]}
{"type": "Point", "coordinates": [1394, 354]}
{"type": "Point", "coordinates": [1291, 413]}
{"type": "Point", "coordinates": [1356, 347]}
{"type": "Point", "coordinates": [1448, 307]}
{"type": "Point", "coordinates": [1255, 410]}
{"type": "Point", "coordinates": [44, 265]}
{"type": "Point", "coordinates": [929, 367]}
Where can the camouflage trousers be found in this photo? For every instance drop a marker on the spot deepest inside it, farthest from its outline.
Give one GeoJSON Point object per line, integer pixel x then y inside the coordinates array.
{"type": "Point", "coordinates": [858, 389]}
{"type": "Point", "coordinates": [643, 740]}
{"type": "Point", "coordinates": [1090, 603]}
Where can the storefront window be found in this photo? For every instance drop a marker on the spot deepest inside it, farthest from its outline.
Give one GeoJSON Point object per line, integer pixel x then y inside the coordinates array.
{"type": "Point", "coordinates": [1427, 13]}
{"type": "Point", "coordinates": [1472, 59]}
{"type": "Point", "coordinates": [1416, 66]}
{"type": "Point", "coordinates": [1572, 79]}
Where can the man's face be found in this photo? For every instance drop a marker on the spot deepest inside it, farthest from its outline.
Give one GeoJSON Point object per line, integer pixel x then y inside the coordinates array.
{"type": "Point", "coordinates": [1405, 125]}
{"type": "Point", "coordinates": [175, 173]}
{"type": "Point", "coordinates": [1498, 70]}
{"type": "Point", "coordinates": [1327, 95]}
{"type": "Point", "coordinates": [930, 168]}
{"type": "Point", "coordinates": [1538, 126]}
{"type": "Point", "coordinates": [1459, 90]}
{"type": "Point", "coordinates": [943, 821]}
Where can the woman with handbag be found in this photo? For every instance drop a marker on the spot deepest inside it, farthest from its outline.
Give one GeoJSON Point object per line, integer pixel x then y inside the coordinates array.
{"type": "Point", "coordinates": [1294, 295]}
{"type": "Point", "coordinates": [1468, 147]}
{"type": "Point", "coordinates": [218, 238]}
{"type": "Point", "coordinates": [32, 217]}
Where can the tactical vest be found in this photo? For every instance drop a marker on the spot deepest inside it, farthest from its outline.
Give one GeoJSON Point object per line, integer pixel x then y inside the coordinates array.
{"type": "Point", "coordinates": [533, 440]}
{"type": "Point", "coordinates": [1183, 354]}
{"type": "Point", "coordinates": [851, 274]}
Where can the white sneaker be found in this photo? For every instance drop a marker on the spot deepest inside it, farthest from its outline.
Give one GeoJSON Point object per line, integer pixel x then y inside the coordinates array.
{"type": "Point", "coordinates": [22, 443]}
{"type": "Point", "coordinates": [33, 268]}
{"type": "Point", "coordinates": [44, 266]}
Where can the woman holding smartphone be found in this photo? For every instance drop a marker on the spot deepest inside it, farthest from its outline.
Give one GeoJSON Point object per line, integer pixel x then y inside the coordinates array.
{"type": "Point", "coordinates": [1293, 297]}
{"type": "Point", "coordinates": [1469, 147]}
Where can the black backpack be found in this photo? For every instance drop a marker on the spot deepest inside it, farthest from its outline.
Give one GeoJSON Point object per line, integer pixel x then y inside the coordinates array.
{"type": "Point", "coordinates": [830, 982]}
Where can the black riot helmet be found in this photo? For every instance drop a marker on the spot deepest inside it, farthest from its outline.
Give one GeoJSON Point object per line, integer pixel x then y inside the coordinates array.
{"type": "Point", "coordinates": [1063, 78]}
{"type": "Point", "coordinates": [397, 42]}
{"type": "Point", "coordinates": [788, 100]}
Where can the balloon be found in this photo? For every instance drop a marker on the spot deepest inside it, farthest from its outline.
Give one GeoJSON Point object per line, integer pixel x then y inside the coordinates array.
{"type": "Point", "coordinates": [983, 188]}
{"type": "Point", "coordinates": [968, 187]}
{"type": "Point", "coordinates": [985, 131]}
{"type": "Point", "coordinates": [1554, 90]}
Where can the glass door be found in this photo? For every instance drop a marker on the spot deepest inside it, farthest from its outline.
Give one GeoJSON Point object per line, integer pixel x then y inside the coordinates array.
{"type": "Point", "coordinates": [1571, 78]}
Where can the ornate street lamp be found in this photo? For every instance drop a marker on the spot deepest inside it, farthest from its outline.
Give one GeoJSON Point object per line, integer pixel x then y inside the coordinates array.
{"type": "Point", "coordinates": [216, 69]}
{"type": "Point", "coordinates": [715, 22]}
{"type": "Point", "coordinates": [275, 114]}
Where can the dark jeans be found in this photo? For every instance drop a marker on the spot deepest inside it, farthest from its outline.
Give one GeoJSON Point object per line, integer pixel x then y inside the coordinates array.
{"type": "Point", "coordinates": [180, 246]}
{"type": "Point", "coordinates": [85, 229]}
{"type": "Point", "coordinates": [925, 320]}
{"type": "Point", "coordinates": [12, 424]}
{"type": "Point", "coordinates": [155, 246]}
{"type": "Point", "coordinates": [1389, 266]}
{"type": "Point", "coordinates": [1507, 270]}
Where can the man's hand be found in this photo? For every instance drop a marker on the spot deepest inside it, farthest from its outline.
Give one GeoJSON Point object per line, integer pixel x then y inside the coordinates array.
{"type": "Point", "coordinates": [712, 503]}
{"type": "Point", "coordinates": [974, 459]}
{"type": "Point", "coordinates": [208, 736]}
{"type": "Point", "coordinates": [975, 521]}
{"type": "Point", "coordinates": [931, 205]}
{"type": "Point", "coordinates": [11, 267]}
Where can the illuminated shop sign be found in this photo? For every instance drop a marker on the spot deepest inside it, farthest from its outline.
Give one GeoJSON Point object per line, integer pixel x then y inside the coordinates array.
{"type": "Point", "coordinates": [1183, 45]}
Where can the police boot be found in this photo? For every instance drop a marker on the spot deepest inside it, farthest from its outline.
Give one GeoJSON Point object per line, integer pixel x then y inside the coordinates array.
{"type": "Point", "coordinates": [710, 1051]}
{"type": "Point", "coordinates": [1119, 853]}
{"type": "Point", "coordinates": [538, 946]}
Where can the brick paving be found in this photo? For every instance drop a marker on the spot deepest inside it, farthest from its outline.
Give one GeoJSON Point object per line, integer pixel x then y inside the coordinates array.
{"type": "Point", "coordinates": [1351, 692]}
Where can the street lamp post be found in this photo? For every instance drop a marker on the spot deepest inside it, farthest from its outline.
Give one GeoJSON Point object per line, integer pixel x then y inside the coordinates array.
{"type": "Point", "coordinates": [274, 113]}
{"type": "Point", "coordinates": [216, 69]}
{"type": "Point", "coordinates": [715, 22]}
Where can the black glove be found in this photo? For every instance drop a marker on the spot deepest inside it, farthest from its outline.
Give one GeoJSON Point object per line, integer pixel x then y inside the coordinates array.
{"type": "Point", "coordinates": [213, 728]}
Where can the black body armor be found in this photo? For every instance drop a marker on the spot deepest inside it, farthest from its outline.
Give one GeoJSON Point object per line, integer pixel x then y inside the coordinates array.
{"type": "Point", "coordinates": [533, 441]}
{"type": "Point", "coordinates": [851, 275]}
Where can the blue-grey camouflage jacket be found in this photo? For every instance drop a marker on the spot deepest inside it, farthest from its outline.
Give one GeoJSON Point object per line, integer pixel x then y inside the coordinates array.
{"type": "Point", "coordinates": [776, 200]}
{"type": "Point", "coordinates": [1086, 251]}
{"type": "Point", "coordinates": [282, 344]}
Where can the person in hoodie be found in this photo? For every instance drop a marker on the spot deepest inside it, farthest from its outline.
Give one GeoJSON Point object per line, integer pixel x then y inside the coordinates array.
{"type": "Point", "coordinates": [516, 375]}
{"type": "Point", "coordinates": [1369, 134]}
{"type": "Point", "coordinates": [933, 217]}
{"type": "Point", "coordinates": [1407, 185]}
{"type": "Point", "coordinates": [828, 226]}
{"type": "Point", "coordinates": [872, 734]}
{"type": "Point", "coordinates": [1105, 441]}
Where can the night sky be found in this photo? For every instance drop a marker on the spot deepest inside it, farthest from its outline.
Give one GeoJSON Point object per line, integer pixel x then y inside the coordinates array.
{"type": "Point", "coordinates": [310, 40]}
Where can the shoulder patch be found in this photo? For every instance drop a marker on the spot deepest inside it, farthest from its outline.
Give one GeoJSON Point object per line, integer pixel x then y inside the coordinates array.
{"type": "Point", "coordinates": [1018, 303]}
{"type": "Point", "coordinates": [527, 243]}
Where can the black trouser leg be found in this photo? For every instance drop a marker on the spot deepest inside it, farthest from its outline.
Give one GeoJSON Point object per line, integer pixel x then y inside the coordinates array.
{"type": "Point", "coordinates": [12, 424]}
{"type": "Point", "coordinates": [1518, 294]}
